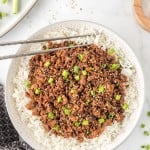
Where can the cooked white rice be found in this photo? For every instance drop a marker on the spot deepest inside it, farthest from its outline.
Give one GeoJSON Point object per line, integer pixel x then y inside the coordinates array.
{"type": "Point", "coordinates": [51, 142]}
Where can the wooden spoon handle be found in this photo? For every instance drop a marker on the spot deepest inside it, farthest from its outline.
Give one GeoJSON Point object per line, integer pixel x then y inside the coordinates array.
{"type": "Point", "coordinates": [140, 16]}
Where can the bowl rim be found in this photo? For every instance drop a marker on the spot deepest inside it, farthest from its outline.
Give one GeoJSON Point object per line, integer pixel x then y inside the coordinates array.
{"type": "Point", "coordinates": [20, 18]}
{"type": "Point", "coordinates": [122, 41]}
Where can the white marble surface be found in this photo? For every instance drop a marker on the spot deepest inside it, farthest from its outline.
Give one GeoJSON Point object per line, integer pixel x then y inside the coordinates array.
{"type": "Point", "coordinates": [115, 14]}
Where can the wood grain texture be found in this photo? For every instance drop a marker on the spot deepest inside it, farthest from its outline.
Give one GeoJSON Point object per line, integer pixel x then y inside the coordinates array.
{"type": "Point", "coordinates": [140, 16]}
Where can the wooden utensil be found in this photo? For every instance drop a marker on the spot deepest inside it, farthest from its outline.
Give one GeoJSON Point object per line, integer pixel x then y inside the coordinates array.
{"type": "Point", "coordinates": [140, 16]}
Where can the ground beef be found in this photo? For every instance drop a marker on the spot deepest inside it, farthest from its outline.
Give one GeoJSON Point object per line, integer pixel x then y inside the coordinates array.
{"type": "Point", "coordinates": [76, 92]}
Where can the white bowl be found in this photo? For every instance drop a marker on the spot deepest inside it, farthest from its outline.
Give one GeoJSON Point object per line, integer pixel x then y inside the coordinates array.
{"type": "Point", "coordinates": [22, 128]}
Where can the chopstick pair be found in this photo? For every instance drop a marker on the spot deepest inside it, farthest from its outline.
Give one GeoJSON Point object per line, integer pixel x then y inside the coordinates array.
{"type": "Point", "coordinates": [40, 51]}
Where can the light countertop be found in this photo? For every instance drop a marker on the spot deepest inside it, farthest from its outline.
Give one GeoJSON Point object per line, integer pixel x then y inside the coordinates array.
{"type": "Point", "coordinates": [115, 14]}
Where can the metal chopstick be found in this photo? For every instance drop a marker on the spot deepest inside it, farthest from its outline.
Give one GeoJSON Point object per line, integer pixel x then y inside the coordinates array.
{"type": "Point", "coordinates": [41, 40]}
{"type": "Point", "coordinates": [40, 52]}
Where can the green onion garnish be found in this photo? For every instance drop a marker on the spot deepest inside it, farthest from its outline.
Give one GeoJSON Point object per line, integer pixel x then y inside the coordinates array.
{"type": "Point", "coordinates": [111, 51]}
{"type": "Point", "coordinates": [76, 69]}
{"type": "Point", "coordinates": [47, 64]}
{"type": "Point", "coordinates": [72, 91]}
{"type": "Point", "coordinates": [77, 77]}
{"type": "Point", "coordinates": [4, 1]}
{"type": "Point", "coordinates": [92, 68]}
{"type": "Point", "coordinates": [15, 4]}
{"type": "Point", "coordinates": [142, 125]}
{"type": "Point", "coordinates": [37, 91]}
{"type": "Point", "coordinates": [84, 72]}
{"type": "Point", "coordinates": [93, 93]}
{"type": "Point", "coordinates": [103, 66]}
{"type": "Point", "coordinates": [125, 106]}
{"type": "Point", "coordinates": [27, 84]}
{"type": "Point", "coordinates": [143, 146]}
{"type": "Point", "coordinates": [67, 111]}
{"type": "Point", "coordinates": [101, 89]}
{"type": "Point", "coordinates": [87, 101]}
{"type": "Point", "coordinates": [118, 97]}
{"type": "Point", "coordinates": [101, 120]}
{"type": "Point", "coordinates": [80, 57]}
{"type": "Point", "coordinates": [51, 115]}
{"type": "Point", "coordinates": [50, 80]}
{"type": "Point", "coordinates": [114, 66]}
{"type": "Point", "coordinates": [77, 124]}
{"type": "Point", "coordinates": [146, 133]}
{"type": "Point", "coordinates": [85, 122]}
{"type": "Point", "coordinates": [65, 74]}
{"type": "Point", "coordinates": [56, 127]}
{"type": "Point", "coordinates": [147, 147]}
{"type": "Point", "coordinates": [59, 99]}
{"type": "Point", "coordinates": [3, 14]}
{"type": "Point", "coordinates": [148, 113]}
{"type": "Point", "coordinates": [111, 115]}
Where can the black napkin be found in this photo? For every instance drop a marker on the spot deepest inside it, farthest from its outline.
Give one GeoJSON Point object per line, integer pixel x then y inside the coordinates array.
{"type": "Point", "coordinates": [9, 138]}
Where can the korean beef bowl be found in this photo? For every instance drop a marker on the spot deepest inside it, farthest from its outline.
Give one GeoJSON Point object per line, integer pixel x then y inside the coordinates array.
{"type": "Point", "coordinates": [88, 97]}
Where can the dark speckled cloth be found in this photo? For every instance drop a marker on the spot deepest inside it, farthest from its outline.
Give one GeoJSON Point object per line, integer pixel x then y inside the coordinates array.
{"type": "Point", "coordinates": [9, 138]}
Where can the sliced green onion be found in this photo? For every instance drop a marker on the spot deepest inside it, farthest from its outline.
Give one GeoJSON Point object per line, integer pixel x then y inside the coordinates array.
{"type": "Point", "coordinates": [51, 115]}
{"type": "Point", "coordinates": [72, 91]}
{"type": "Point", "coordinates": [67, 111]}
{"type": "Point", "coordinates": [77, 124]}
{"type": "Point", "coordinates": [146, 147]}
{"type": "Point", "coordinates": [56, 127]}
{"type": "Point", "coordinates": [15, 4]}
{"type": "Point", "coordinates": [76, 69]}
{"type": "Point", "coordinates": [125, 106]}
{"type": "Point", "coordinates": [87, 101]}
{"type": "Point", "coordinates": [111, 51]}
{"type": "Point", "coordinates": [77, 77]}
{"type": "Point", "coordinates": [47, 64]}
{"type": "Point", "coordinates": [85, 122]}
{"type": "Point", "coordinates": [114, 66]}
{"type": "Point", "coordinates": [80, 57]}
{"type": "Point", "coordinates": [103, 66]}
{"type": "Point", "coordinates": [146, 133]}
{"type": "Point", "coordinates": [143, 146]}
{"type": "Point", "coordinates": [27, 84]}
{"type": "Point", "coordinates": [101, 89]}
{"type": "Point", "coordinates": [111, 115]}
{"type": "Point", "coordinates": [50, 80]}
{"type": "Point", "coordinates": [142, 125]}
{"type": "Point", "coordinates": [92, 68]}
{"type": "Point", "coordinates": [84, 72]}
{"type": "Point", "coordinates": [148, 113]}
{"type": "Point", "coordinates": [118, 97]}
{"type": "Point", "coordinates": [101, 120]}
{"type": "Point", "coordinates": [4, 1]}
{"type": "Point", "coordinates": [59, 99]}
{"type": "Point", "coordinates": [93, 93]}
{"type": "Point", "coordinates": [37, 91]}
{"type": "Point", "coordinates": [3, 14]}
{"type": "Point", "coordinates": [65, 74]}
